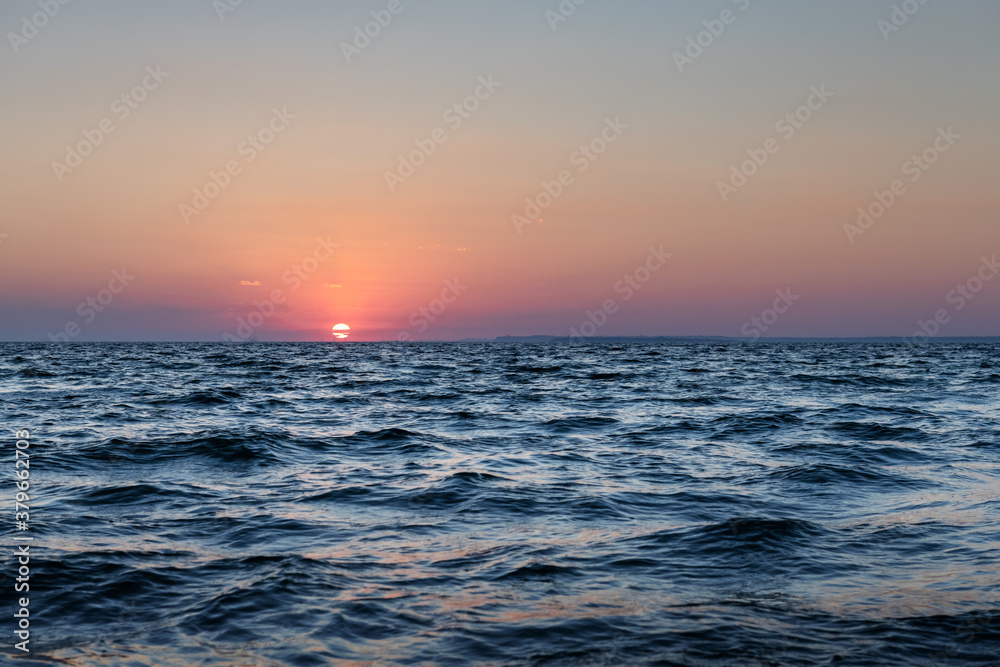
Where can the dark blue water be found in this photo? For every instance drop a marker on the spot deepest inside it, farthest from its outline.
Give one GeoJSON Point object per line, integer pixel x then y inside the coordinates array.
{"type": "Point", "coordinates": [448, 504]}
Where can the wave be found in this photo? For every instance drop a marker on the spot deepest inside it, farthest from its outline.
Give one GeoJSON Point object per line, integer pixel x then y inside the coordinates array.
{"type": "Point", "coordinates": [806, 504]}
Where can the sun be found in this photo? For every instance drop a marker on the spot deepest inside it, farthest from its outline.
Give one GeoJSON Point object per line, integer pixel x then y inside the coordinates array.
{"type": "Point", "coordinates": [341, 331]}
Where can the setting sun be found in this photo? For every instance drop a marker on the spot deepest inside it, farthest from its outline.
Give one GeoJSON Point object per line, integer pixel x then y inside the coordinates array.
{"type": "Point", "coordinates": [341, 331]}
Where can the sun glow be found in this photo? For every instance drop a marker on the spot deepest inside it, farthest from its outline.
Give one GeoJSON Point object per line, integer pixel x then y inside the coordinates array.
{"type": "Point", "coordinates": [341, 331]}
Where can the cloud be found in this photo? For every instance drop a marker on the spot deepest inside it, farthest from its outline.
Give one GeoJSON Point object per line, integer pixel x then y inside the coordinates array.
{"type": "Point", "coordinates": [437, 246]}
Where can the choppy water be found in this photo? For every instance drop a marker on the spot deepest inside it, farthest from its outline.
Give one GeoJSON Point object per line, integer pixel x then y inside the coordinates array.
{"type": "Point", "coordinates": [447, 504]}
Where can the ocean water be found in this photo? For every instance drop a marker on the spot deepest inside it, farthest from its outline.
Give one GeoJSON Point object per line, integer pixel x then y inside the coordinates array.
{"type": "Point", "coordinates": [508, 504]}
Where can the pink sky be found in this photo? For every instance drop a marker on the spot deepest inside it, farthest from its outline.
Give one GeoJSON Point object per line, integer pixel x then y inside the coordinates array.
{"type": "Point", "coordinates": [500, 108]}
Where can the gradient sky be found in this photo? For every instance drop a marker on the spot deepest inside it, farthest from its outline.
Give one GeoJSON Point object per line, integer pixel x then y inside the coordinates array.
{"type": "Point", "coordinates": [323, 176]}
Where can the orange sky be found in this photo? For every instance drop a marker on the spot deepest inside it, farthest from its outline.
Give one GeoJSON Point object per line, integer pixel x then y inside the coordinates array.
{"type": "Point", "coordinates": [530, 100]}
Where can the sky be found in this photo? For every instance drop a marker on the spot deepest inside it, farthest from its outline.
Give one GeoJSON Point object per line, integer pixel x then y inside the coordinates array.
{"type": "Point", "coordinates": [446, 169]}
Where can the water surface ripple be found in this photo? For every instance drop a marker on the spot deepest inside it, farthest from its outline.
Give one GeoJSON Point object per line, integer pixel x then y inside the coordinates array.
{"type": "Point", "coordinates": [448, 504]}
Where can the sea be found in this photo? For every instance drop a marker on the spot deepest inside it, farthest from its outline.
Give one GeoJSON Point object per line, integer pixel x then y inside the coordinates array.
{"type": "Point", "coordinates": [503, 504]}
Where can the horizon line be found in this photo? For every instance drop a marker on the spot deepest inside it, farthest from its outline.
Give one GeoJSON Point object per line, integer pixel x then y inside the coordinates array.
{"type": "Point", "coordinates": [546, 338]}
